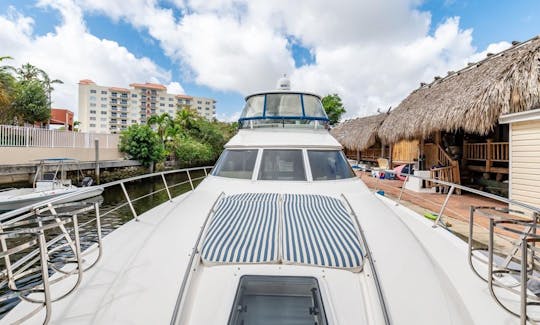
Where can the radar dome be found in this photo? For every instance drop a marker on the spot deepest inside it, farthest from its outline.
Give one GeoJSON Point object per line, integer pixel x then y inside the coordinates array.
{"type": "Point", "coordinates": [284, 83]}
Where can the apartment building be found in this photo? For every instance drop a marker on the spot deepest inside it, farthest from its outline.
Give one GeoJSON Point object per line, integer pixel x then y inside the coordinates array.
{"type": "Point", "coordinates": [104, 109]}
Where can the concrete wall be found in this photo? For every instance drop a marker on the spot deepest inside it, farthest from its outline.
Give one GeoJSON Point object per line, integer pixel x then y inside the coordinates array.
{"type": "Point", "coordinates": [23, 155]}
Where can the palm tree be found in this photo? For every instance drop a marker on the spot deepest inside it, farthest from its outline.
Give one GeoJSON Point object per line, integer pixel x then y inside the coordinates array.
{"type": "Point", "coordinates": [162, 122]}
{"type": "Point", "coordinates": [186, 117]}
{"type": "Point", "coordinates": [6, 89]}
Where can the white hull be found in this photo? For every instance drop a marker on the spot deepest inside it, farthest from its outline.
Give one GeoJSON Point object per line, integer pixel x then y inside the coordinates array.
{"type": "Point", "coordinates": [15, 199]}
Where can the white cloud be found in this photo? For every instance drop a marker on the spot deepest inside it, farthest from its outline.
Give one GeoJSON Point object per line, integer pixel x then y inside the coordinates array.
{"type": "Point", "coordinates": [225, 117]}
{"type": "Point", "coordinates": [372, 53]}
{"type": "Point", "coordinates": [71, 53]}
{"type": "Point", "coordinates": [175, 88]}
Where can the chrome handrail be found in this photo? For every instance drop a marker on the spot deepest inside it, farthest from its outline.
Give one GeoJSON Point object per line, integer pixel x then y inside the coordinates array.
{"type": "Point", "coordinates": [525, 244]}
{"type": "Point", "coordinates": [35, 219]}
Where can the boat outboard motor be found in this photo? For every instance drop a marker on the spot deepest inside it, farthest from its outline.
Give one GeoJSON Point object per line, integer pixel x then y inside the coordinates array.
{"type": "Point", "coordinates": [87, 181]}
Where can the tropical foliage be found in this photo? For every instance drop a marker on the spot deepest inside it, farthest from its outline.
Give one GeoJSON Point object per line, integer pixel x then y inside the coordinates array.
{"type": "Point", "coordinates": [141, 143]}
{"type": "Point", "coordinates": [334, 108]}
{"type": "Point", "coordinates": [187, 138]}
{"type": "Point", "coordinates": [25, 93]}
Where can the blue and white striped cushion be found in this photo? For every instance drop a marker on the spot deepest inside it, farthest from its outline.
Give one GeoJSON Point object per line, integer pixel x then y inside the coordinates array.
{"type": "Point", "coordinates": [317, 230]}
{"type": "Point", "coordinates": [244, 229]}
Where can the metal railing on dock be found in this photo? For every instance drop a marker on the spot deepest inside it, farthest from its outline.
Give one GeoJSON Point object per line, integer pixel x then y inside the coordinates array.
{"type": "Point", "coordinates": [42, 244]}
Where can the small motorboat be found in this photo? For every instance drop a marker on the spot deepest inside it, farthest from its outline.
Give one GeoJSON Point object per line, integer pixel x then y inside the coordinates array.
{"type": "Point", "coordinates": [50, 181]}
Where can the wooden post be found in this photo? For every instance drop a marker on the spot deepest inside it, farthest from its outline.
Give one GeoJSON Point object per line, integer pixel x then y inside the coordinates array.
{"type": "Point", "coordinates": [357, 156]}
{"type": "Point", "coordinates": [489, 155]}
{"type": "Point", "coordinates": [390, 154]}
{"type": "Point", "coordinates": [438, 137]}
{"type": "Point", "coordinates": [383, 150]}
{"type": "Point", "coordinates": [97, 160]}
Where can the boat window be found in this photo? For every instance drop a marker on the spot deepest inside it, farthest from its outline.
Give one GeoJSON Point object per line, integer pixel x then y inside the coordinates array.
{"type": "Point", "coordinates": [254, 106]}
{"type": "Point", "coordinates": [277, 300]}
{"type": "Point", "coordinates": [313, 106]}
{"type": "Point", "coordinates": [283, 165]}
{"type": "Point", "coordinates": [283, 105]}
{"type": "Point", "coordinates": [236, 164]}
{"type": "Point", "coordinates": [329, 165]}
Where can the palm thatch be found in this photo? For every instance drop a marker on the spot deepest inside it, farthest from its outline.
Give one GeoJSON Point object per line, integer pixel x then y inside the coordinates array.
{"type": "Point", "coordinates": [471, 99]}
{"type": "Point", "coordinates": [359, 133]}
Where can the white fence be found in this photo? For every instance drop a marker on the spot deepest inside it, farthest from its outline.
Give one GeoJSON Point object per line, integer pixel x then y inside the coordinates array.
{"type": "Point", "coordinates": [16, 136]}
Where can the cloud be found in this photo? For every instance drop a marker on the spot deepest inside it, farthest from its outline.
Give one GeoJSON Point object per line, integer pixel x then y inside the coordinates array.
{"type": "Point", "coordinates": [175, 88]}
{"type": "Point", "coordinates": [71, 53]}
{"type": "Point", "coordinates": [372, 53]}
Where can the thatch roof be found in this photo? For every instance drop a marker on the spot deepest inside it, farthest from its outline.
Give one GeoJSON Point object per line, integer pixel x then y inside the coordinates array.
{"type": "Point", "coordinates": [471, 99]}
{"type": "Point", "coordinates": [359, 133]}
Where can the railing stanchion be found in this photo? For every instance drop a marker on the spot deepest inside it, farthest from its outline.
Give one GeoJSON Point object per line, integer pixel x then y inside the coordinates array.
{"type": "Point", "coordinates": [166, 187]}
{"type": "Point", "coordinates": [190, 181]}
{"type": "Point", "coordinates": [438, 220]}
{"type": "Point", "coordinates": [403, 186]}
{"type": "Point", "coordinates": [524, 280]}
{"type": "Point", "coordinates": [205, 172]}
{"type": "Point", "coordinates": [129, 202]}
{"type": "Point", "coordinates": [44, 256]}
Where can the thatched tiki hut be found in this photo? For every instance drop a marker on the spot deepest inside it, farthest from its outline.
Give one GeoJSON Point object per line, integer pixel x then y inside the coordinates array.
{"type": "Point", "coordinates": [361, 141]}
{"type": "Point", "coordinates": [455, 118]}
{"type": "Point", "coordinates": [359, 137]}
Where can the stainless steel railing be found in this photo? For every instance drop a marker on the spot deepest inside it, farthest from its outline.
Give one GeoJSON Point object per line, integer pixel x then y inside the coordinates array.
{"type": "Point", "coordinates": [32, 238]}
{"type": "Point", "coordinates": [521, 262]}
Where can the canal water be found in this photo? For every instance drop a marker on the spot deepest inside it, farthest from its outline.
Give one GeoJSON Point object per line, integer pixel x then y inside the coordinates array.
{"type": "Point", "coordinates": [145, 194]}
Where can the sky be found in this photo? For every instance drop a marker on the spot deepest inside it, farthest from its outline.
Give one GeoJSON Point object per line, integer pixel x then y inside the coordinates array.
{"type": "Point", "coordinates": [371, 53]}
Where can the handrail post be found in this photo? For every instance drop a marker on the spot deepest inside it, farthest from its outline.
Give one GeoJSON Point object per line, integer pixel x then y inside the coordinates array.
{"type": "Point", "coordinates": [205, 172]}
{"type": "Point", "coordinates": [524, 280]}
{"type": "Point", "coordinates": [190, 181]}
{"type": "Point", "coordinates": [129, 202]}
{"type": "Point", "coordinates": [44, 256]}
{"type": "Point", "coordinates": [166, 187]}
{"type": "Point", "coordinates": [403, 186]}
{"type": "Point", "coordinates": [443, 206]}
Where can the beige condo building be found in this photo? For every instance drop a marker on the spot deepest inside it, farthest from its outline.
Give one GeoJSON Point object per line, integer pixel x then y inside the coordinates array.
{"type": "Point", "coordinates": [104, 109]}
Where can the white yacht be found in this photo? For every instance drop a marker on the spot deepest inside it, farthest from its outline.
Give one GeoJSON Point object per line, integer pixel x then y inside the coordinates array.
{"type": "Point", "coordinates": [46, 185]}
{"type": "Point", "coordinates": [280, 232]}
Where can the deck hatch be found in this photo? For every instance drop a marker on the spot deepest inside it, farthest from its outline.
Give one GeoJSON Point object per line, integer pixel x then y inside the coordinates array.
{"type": "Point", "coordinates": [244, 229]}
{"type": "Point", "coordinates": [269, 300]}
{"type": "Point", "coordinates": [317, 230]}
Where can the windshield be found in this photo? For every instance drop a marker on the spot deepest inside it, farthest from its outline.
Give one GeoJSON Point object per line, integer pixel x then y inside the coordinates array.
{"type": "Point", "coordinates": [236, 164]}
{"type": "Point", "coordinates": [283, 165]}
{"type": "Point", "coordinates": [283, 106]}
{"type": "Point", "coordinates": [329, 165]}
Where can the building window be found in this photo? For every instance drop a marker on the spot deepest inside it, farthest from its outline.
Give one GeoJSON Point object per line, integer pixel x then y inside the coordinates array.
{"type": "Point", "coordinates": [104, 92]}
{"type": "Point", "coordinates": [207, 103]}
{"type": "Point", "coordinates": [103, 105]}
{"type": "Point", "coordinates": [93, 91]}
{"type": "Point", "coordinates": [92, 98]}
{"type": "Point", "coordinates": [103, 119]}
{"type": "Point", "coordinates": [103, 99]}
{"type": "Point", "coordinates": [199, 102]}
{"type": "Point", "coordinates": [92, 112]}
{"type": "Point", "coordinates": [161, 104]}
{"type": "Point", "coordinates": [199, 108]}
{"type": "Point", "coordinates": [171, 105]}
{"type": "Point", "coordinates": [92, 125]}
{"type": "Point", "coordinates": [92, 118]}
{"type": "Point", "coordinates": [103, 113]}
{"type": "Point", "coordinates": [161, 98]}
{"type": "Point", "coordinates": [133, 95]}
{"type": "Point", "coordinates": [171, 99]}
{"type": "Point", "coordinates": [207, 108]}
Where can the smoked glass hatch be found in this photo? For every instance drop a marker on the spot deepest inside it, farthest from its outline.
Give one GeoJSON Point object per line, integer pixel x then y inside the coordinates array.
{"type": "Point", "coordinates": [265, 300]}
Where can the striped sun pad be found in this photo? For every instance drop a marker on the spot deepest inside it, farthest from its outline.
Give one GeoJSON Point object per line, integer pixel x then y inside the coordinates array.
{"type": "Point", "coordinates": [244, 229]}
{"type": "Point", "coordinates": [317, 230]}
{"type": "Point", "coordinates": [314, 230]}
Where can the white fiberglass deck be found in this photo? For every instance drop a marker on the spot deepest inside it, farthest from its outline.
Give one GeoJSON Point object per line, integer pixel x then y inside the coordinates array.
{"type": "Point", "coordinates": [282, 228]}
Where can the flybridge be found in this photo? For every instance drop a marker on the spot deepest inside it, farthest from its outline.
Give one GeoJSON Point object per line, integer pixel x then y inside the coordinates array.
{"type": "Point", "coordinates": [283, 106]}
